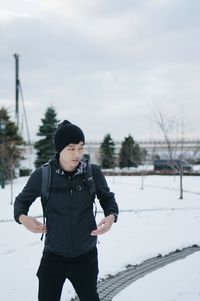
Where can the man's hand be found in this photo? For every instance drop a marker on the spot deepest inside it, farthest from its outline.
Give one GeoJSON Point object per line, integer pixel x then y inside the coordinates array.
{"type": "Point", "coordinates": [104, 226]}
{"type": "Point", "coordinates": [32, 224]}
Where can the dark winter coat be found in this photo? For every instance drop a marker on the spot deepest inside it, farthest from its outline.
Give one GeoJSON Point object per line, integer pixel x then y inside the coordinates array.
{"type": "Point", "coordinates": [70, 217]}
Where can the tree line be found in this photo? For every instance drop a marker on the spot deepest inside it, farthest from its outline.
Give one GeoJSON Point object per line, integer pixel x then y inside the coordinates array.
{"type": "Point", "coordinates": [12, 146]}
{"type": "Point", "coordinates": [131, 155]}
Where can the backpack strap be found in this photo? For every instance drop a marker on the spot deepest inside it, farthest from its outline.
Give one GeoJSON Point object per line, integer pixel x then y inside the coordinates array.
{"type": "Point", "coordinates": [45, 189]}
{"type": "Point", "coordinates": [46, 181]}
{"type": "Point", "coordinates": [91, 185]}
{"type": "Point", "coordinates": [90, 180]}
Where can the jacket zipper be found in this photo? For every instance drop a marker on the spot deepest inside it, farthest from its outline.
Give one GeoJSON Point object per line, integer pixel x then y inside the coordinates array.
{"type": "Point", "coordinates": [71, 218]}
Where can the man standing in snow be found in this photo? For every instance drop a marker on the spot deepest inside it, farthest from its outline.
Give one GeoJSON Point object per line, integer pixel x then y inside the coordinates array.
{"type": "Point", "coordinates": [71, 232]}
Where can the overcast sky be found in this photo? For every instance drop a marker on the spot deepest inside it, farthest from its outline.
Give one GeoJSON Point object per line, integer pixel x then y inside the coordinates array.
{"type": "Point", "coordinates": [103, 64]}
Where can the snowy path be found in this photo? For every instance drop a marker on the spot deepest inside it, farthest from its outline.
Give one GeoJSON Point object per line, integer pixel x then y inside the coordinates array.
{"type": "Point", "coordinates": [112, 286]}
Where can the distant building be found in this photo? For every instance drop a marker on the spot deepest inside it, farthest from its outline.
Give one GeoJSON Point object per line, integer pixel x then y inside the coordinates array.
{"type": "Point", "coordinates": [155, 149]}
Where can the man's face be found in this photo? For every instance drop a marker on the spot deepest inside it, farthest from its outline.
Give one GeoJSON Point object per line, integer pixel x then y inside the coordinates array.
{"type": "Point", "coordinates": [72, 154]}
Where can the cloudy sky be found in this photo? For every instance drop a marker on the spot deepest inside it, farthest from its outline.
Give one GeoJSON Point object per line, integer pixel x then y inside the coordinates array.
{"type": "Point", "coordinates": [103, 64]}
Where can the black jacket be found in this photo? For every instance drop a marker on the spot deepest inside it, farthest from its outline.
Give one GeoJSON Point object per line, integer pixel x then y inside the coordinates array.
{"type": "Point", "coordinates": [70, 218]}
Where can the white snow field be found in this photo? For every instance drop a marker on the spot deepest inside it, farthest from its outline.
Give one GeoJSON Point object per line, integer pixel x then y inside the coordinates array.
{"type": "Point", "coordinates": [152, 221]}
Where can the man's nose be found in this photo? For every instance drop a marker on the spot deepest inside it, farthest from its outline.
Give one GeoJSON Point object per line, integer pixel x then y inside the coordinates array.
{"type": "Point", "coordinates": [77, 153]}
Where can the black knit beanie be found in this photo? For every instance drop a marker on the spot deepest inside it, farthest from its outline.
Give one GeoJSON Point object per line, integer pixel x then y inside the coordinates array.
{"type": "Point", "coordinates": [67, 133]}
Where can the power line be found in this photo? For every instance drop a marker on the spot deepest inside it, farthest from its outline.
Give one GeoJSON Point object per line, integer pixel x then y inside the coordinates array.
{"type": "Point", "coordinates": [24, 110]}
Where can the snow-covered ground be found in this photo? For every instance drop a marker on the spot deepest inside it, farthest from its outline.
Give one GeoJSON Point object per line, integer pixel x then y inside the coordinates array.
{"type": "Point", "coordinates": [176, 281]}
{"type": "Point", "coordinates": [153, 221]}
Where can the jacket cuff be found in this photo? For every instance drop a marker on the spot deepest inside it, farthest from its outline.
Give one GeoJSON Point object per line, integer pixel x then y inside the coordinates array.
{"type": "Point", "coordinates": [115, 216]}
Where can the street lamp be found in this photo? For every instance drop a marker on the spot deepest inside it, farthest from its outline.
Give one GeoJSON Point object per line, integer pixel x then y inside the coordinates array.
{"type": "Point", "coordinates": [2, 134]}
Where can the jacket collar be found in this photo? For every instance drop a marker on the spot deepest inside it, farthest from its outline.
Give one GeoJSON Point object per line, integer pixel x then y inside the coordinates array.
{"type": "Point", "coordinates": [80, 169]}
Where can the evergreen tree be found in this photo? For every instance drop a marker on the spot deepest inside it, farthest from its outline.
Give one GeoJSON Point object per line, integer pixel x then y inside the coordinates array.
{"type": "Point", "coordinates": [107, 152]}
{"type": "Point", "coordinates": [45, 146]}
{"type": "Point", "coordinates": [130, 153]}
{"type": "Point", "coordinates": [10, 142]}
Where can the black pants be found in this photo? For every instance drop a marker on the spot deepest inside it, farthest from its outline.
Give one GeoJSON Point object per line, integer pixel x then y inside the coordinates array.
{"type": "Point", "coordinates": [82, 271]}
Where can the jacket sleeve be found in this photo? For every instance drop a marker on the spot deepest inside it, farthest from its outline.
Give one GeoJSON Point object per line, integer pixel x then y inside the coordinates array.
{"type": "Point", "coordinates": [104, 195]}
{"type": "Point", "coordinates": [30, 192]}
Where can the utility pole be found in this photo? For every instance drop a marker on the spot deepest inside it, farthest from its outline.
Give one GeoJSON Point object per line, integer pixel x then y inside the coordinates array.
{"type": "Point", "coordinates": [16, 56]}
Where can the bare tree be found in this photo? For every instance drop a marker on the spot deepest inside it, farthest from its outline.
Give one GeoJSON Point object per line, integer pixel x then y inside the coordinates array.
{"type": "Point", "coordinates": [173, 131]}
{"type": "Point", "coordinates": [144, 167]}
